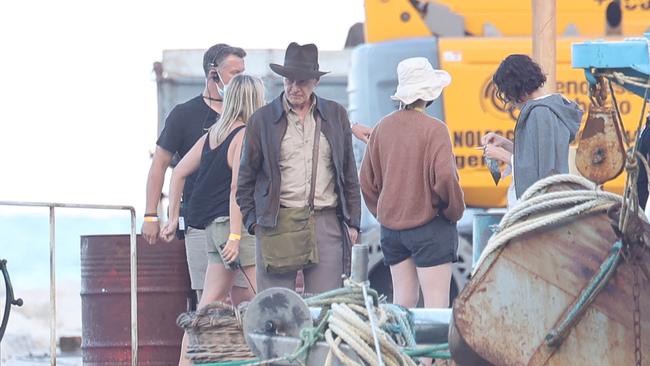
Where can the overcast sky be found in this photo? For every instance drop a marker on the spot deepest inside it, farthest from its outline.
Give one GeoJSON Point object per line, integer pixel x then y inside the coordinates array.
{"type": "Point", "coordinates": [77, 94]}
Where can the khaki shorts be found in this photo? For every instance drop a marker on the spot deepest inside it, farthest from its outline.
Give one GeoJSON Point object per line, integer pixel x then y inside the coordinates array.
{"type": "Point", "coordinates": [217, 233]}
{"type": "Point", "coordinates": [197, 259]}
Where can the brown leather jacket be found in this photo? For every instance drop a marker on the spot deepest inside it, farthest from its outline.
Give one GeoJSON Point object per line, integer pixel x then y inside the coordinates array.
{"type": "Point", "coordinates": [258, 190]}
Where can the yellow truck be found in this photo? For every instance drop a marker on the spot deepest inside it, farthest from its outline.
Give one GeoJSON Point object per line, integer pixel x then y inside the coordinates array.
{"type": "Point", "coordinates": [471, 110]}
{"type": "Point", "coordinates": [468, 105]}
{"type": "Point", "coordinates": [469, 38]}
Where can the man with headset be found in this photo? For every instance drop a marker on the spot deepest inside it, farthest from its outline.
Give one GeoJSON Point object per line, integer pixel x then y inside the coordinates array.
{"type": "Point", "coordinates": [184, 125]}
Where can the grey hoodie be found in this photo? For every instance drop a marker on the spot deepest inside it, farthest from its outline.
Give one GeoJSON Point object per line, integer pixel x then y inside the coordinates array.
{"type": "Point", "coordinates": [544, 129]}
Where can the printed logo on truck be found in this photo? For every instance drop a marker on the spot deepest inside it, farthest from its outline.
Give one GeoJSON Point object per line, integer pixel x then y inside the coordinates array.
{"type": "Point", "coordinates": [575, 90]}
{"type": "Point", "coordinates": [492, 105]}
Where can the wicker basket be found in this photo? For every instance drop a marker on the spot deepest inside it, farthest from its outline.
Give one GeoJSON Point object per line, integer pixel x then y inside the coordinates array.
{"type": "Point", "coordinates": [215, 334]}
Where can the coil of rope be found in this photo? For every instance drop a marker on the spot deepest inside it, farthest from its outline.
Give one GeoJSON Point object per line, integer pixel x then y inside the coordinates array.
{"type": "Point", "coordinates": [345, 319]}
{"type": "Point", "coordinates": [542, 209]}
{"type": "Point", "coordinates": [350, 320]}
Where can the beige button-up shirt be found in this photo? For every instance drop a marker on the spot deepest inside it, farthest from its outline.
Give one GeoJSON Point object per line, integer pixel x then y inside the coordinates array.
{"type": "Point", "coordinates": [296, 152]}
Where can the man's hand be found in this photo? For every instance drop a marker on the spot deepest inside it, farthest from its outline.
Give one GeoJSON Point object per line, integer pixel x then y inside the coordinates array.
{"type": "Point", "coordinates": [169, 231]}
{"type": "Point", "coordinates": [361, 132]}
{"type": "Point", "coordinates": [230, 251]}
{"type": "Point", "coordinates": [151, 231]}
{"type": "Point", "coordinates": [353, 234]}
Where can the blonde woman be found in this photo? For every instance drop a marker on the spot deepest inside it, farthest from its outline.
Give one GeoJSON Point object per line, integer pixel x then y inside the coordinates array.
{"type": "Point", "coordinates": [213, 206]}
{"type": "Point", "coordinates": [216, 158]}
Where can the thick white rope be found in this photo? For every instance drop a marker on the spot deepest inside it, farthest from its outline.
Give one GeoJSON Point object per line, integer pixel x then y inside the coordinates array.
{"type": "Point", "coordinates": [342, 314]}
{"type": "Point", "coordinates": [543, 184]}
{"type": "Point", "coordinates": [334, 348]}
{"type": "Point", "coordinates": [538, 208]}
{"type": "Point", "coordinates": [348, 325]}
{"type": "Point", "coordinates": [550, 201]}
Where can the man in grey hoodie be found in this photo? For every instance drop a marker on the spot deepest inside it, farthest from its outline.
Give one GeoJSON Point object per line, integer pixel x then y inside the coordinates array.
{"type": "Point", "coordinates": [546, 125]}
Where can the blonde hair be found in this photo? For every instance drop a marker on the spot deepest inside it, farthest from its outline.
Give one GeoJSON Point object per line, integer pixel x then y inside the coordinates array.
{"type": "Point", "coordinates": [245, 94]}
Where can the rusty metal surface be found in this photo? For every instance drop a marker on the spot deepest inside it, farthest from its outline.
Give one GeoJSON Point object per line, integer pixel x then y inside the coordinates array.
{"type": "Point", "coordinates": [163, 285]}
{"type": "Point", "coordinates": [461, 352]}
{"type": "Point", "coordinates": [524, 289]}
{"type": "Point", "coordinates": [600, 156]}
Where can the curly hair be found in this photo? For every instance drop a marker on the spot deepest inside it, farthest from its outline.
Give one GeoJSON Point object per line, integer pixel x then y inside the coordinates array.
{"type": "Point", "coordinates": [517, 77]}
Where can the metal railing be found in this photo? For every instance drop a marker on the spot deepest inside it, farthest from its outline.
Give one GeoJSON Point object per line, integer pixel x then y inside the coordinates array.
{"type": "Point", "coordinates": [133, 269]}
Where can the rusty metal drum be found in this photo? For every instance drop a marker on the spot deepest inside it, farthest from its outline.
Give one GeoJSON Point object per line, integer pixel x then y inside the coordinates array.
{"type": "Point", "coordinates": [163, 286]}
{"type": "Point", "coordinates": [556, 295]}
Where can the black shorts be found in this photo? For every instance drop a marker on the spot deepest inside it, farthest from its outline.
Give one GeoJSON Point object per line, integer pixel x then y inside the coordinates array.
{"type": "Point", "coordinates": [431, 244]}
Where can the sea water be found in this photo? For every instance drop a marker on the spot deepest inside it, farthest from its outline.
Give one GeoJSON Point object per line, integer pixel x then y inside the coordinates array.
{"type": "Point", "coordinates": [25, 244]}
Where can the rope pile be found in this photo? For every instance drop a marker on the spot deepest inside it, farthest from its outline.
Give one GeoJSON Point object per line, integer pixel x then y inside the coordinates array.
{"type": "Point", "coordinates": [345, 319]}
{"type": "Point", "coordinates": [539, 208]}
{"type": "Point", "coordinates": [350, 324]}
{"type": "Point", "coordinates": [215, 334]}
{"type": "Point", "coordinates": [351, 312]}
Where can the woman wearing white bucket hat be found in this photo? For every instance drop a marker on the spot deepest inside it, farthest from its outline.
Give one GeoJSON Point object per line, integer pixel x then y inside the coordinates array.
{"type": "Point", "coordinates": [418, 80]}
{"type": "Point", "coordinates": [410, 183]}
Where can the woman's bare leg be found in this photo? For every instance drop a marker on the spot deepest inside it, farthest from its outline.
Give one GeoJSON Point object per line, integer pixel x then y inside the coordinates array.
{"type": "Point", "coordinates": [216, 287]}
{"type": "Point", "coordinates": [239, 294]}
{"type": "Point", "coordinates": [436, 283]}
{"type": "Point", "coordinates": [406, 291]}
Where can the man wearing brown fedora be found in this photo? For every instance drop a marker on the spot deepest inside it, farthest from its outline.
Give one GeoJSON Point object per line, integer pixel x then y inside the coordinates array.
{"type": "Point", "coordinates": [298, 188]}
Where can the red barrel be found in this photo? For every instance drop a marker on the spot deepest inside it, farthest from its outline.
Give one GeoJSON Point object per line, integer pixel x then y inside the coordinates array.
{"type": "Point", "coordinates": [163, 286]}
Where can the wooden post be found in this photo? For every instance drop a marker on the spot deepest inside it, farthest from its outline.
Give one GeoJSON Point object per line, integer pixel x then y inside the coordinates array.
{"type": "Point", "coordinates": [544, 42]}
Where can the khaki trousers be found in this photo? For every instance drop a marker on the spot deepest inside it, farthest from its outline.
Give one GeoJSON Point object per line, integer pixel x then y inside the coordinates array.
{"type": "Point", "coordinates": [324, 276]}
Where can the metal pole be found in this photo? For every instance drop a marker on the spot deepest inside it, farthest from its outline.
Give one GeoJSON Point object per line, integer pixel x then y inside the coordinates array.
{"type": "Point", "coordinates": [134, 293]}
{"type": "Point", "coordinates": [134, 281]}
{"type": "Point", "coordinates": [544, 42]}
{"type": "Point", "coordinates": [359, 267]}
{"type": "Point", "coordinates": [65, 205]}
{"type": "Point", "coordinates": [52, 290]}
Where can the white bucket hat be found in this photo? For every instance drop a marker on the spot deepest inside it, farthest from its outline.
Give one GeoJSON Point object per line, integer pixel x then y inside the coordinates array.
{"type": "Point", "coordinates": [417, 79]}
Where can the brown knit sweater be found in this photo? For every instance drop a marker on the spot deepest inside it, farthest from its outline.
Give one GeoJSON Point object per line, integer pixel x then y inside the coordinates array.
{"type": "Point", "coordinates": [409, 171]}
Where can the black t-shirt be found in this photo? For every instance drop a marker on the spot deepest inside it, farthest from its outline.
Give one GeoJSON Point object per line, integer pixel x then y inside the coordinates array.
{"type": "Point", "coordinates": [185, 124]}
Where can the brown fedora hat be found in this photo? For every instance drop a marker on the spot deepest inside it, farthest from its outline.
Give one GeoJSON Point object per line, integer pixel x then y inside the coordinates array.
{"type": "Point", "coordinates": [300, 63]}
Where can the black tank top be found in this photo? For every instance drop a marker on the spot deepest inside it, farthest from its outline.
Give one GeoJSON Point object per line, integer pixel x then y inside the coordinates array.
{"type": "Point", "coordinates": [211, 195]}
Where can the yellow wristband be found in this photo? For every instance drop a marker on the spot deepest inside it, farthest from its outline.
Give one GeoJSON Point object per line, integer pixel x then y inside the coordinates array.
{"type": "Point", "coordinates": [234, 236]}
{"type": "Point", "coordinates": [150, 219]}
